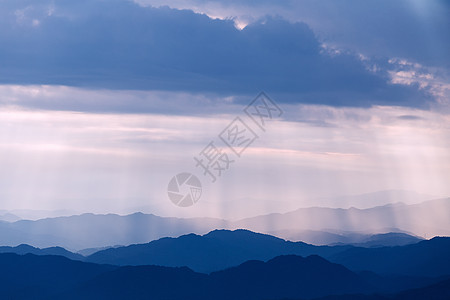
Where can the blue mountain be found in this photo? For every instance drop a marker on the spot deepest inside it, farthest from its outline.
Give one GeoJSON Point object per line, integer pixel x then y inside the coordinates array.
{"type": "Point", "coordinates": [27, 249]}
{"type": "Point", "coordinates": [38, 277]}
{"type": "Point", "coordinates": [314, 225]}
{"type": "Point", "coordinates": [437, 291]}
{"type": "Point", "coordinates": [221, 249]}
{"type": "Point", "coordinates": [281, 277]}
{"type": "Point", "coordinates": [93, 231]}
{"type": "Point", "coordinates": [426, 258]}
{"type": "Point", "coordinates": [214, 251]}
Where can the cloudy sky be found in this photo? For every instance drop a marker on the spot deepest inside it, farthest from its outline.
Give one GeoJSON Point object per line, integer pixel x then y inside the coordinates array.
{"type": "Point", "coordinates": [102, 102]}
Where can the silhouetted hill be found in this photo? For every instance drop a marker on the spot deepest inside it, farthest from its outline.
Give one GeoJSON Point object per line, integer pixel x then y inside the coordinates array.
{"type": "Point", "coordinates": [287, 276]}
{"type": "Point", "coordinates": [284, 276]}
{"type": "Point", "coordinates": [393, 238]}
{"type": "Point", "coordinates": [389, 284]}
{"type": "Point", "coordinates": [437, 291]}
{"type": "Point", "coordinates": [294, 277]}
{"type": "Point", "coordinates": [90, 251]}
{"type": "Point", "coordinates": [144, 282]}
{"type": "Point", "coordinates": [221, 249]}
{"type": "Point", "coordinates": [426, 258]}
{"type": "Point", "coordinates": [214, 251]}
{"type": "Point", "coordinates": [389, 239]}
{"type": "Point", "coordinates": [34, 277]}
{"type": "Point", "coordinates": [27, 249]}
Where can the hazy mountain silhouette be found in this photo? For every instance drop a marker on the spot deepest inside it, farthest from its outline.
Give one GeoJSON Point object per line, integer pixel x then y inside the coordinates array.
{"type": "Point", "coordinates": [394, 238]}
{"type": "Point", "coordinates": [90, 251]}
{"type": "Point", "coordinates": [214, 251]}
{"type": "Point", "coordinates": [27, 249]}
{"type": "Point", "coordinates": [425, 219]}
{"type": "Point", "coordinates": [220, 249]}
{"type": "Point", "coordinates": [9, 217]}
{"type": "Point", "coordinates": [54, 277]}
{"type": "Point", "coordinates": [386, 239]}
{"type": "Point", "coordinates": [369, 200]}
{"type": "Point", "coordinates": [36, 214]}
{"type": "Point", "coordinates": [94, 231]}
{"type": "Point", "coordinates": [283, 277]}
{"type": "Point", "coordinates": [234, 210]}
{"type": "Point", "coordinates": [426, 258]}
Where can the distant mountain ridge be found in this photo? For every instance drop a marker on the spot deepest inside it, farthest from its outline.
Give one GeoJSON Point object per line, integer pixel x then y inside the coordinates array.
{"type": "Point", "coordinates": [392, 237]}
{"type": "Point", "coordinates": [245, 265]}
{"type": "Point", "coordinates": [369, 200]}
{"type": "Point", "coordinates": [222, 249]}
{"type": "Point", "coordinates": [214, 251]}
{"type": "Point", "coordinates": [95, 231]}
{"type": "Point", "coordinates": [27, 249]}
{"type": "Point", "coordinates": [426, 258]}
{"type": "Point", "coordinates": [164, 251]}
{"type": "Point", "coordinates": [429, 218]}
{"type": "Point", "coordinates": [384, 239]}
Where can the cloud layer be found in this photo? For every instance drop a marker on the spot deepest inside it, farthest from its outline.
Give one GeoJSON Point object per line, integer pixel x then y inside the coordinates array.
{"type": "Point", "coordinates": [121, 45]}
{"type": "Point", "coordinates": [123, 162]}
{"type": "Point", "coordinates": [409, 29]}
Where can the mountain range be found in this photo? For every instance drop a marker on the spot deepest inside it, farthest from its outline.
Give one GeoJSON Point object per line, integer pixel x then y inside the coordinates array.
{"type": "Point", "coordinates": [92, 231]}
{"type": "Point", "coordinates": [425, 219]}
{"type": "Point", "coordinates": [377, 253]}
{"type": "Point", "coordinates": [222, 249]}
{"type": "Point", "coordinates": [282, 277]}
{"type": "Point", "coordinates": [27, 249]}
{"type": "Point", "coordinates": [227, 264]}
{"type": "Point", "coordinates": [316, 225]}
{"type": "Point", "coordinates": [214, 251]}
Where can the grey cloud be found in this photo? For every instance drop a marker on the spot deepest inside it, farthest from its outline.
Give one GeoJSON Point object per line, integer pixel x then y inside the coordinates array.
{"type": "Point", "coordinates": [121, 45]}
{"type": "Point", "coordinates": [410, 29]}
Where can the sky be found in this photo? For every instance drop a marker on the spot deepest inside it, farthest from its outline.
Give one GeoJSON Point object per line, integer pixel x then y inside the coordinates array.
{"type": "Point", "coordinates": [103, 102]}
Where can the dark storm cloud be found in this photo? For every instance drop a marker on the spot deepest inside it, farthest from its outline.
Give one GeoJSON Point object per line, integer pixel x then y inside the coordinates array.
{"type": "Point", "coordinates": [417, 30]}
{"type": "Point", "coordinates": [120, 45]}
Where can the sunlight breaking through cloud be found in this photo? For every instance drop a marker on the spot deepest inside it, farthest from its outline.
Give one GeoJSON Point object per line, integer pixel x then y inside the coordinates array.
{"type": "Point", "coordinates": [348, 150]}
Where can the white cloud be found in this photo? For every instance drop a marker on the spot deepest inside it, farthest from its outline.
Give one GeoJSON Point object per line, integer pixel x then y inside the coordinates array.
{"type": "Point", "coordinates": [436, 80]}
